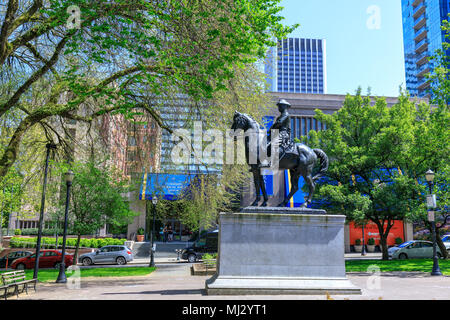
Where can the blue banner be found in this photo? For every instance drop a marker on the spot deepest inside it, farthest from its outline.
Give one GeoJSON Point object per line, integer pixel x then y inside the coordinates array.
{"type": "Point", "coordinates": [162, 185]}
{"type": "Point", "coordinates": [299, 197]}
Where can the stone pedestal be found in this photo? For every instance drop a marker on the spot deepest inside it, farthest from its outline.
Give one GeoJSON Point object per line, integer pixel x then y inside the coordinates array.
{"type": "Point", "coordinates": [292, 251]}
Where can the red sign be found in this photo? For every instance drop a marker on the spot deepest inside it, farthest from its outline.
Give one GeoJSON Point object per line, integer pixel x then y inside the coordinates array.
{"type": "Point", "coordinates": [371, 231]}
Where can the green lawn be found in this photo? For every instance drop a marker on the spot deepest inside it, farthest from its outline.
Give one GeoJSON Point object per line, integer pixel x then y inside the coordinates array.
{"type": "Point", "coordinates": [423, 265]}
{"type": "Point", "coordinates": [50, 275]}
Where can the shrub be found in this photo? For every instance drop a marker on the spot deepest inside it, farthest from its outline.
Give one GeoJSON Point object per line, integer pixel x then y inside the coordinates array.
{"type": "Point", "coordinates": [50, 242]}
{"type": "Point", "coordinates": [207, 256]}
{"type": "Point", "coordinates": [358, 242]}
{"type": "Point", "coordinates": [371, 241]}
{"type": "Point", "coordinates": [140, 231]}
{"type": "Point", "coordinates": [17, 232]}
{"type": "Point", "coordinates": [398, 240]}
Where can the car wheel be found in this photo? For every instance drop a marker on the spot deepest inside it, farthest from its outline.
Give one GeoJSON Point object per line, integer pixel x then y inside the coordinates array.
{"type": "Point", "coordinates": [121, 261]}
{"type": "Point", "coordinates": [402, 256]}
{"type": "Point", "coordinates": [20, 266]}
{"type": "Point", "coordinates": [192, 258]}
{"type": "Point", "coordinates": [86, 261]}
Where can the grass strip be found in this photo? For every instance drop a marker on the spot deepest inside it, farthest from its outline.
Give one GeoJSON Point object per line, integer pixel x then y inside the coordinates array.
{"type": "Point", "coordinates": [49, 275]}
{"type": "Point", "coordinates": [410, 265]}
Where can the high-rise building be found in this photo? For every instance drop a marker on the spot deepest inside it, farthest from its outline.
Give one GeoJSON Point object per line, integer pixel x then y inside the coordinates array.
{"type": "Point", "coordinates": [422, 36]}
{"type": "Point", "coordinates": [297, 65]}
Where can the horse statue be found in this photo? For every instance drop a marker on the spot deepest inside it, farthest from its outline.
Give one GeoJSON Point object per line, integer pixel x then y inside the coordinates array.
{"type": "Point", "coordinates": [298, 158]}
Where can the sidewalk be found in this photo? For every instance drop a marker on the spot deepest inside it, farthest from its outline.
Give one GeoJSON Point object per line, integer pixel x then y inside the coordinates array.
{"type": "Point", "coordinates": [174, 282]}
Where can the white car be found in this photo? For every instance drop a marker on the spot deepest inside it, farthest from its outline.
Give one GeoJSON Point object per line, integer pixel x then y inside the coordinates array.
{"type": "Point", "coordinates": [416, 249]}
{"type": "Point", "coordinates": [446, 241]}
{"type": "Point", "coordinates": [391, 250]}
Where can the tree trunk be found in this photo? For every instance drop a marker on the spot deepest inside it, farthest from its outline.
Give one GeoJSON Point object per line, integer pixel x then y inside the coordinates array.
{"type": "Point", "coordinates": [442, 247]}
{"type": "Point", "coordinates": [75, 255]}
{"type": "Point", "coordinates": [383, 236]}
{"type": "Point", "coordinates": [439, 242]}
{"type": "Point", "coordinates": [384, 246]}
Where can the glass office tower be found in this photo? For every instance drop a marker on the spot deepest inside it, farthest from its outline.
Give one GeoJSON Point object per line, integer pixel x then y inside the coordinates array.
{"type": "Point", "coordinates": [297, 65]}
{"type": "Point", "coordinates": [422, 36]}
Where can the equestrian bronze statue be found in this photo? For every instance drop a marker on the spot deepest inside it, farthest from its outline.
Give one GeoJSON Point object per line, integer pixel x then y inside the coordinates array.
{"type": "Point", "coordinates": [298, 158]}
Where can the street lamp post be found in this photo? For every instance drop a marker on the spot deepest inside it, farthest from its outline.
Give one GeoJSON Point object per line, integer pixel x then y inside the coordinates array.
{"type": "Point", "coordinates": [363, 251]}
{"type": "Point", "coordinates": [49, 146]}
{"type": "Point", "coordinates": [429, 175]}
{"type": "Point", "coordinates": [62, 266]}
{"type": "Point", "coordinates": [152, 258]}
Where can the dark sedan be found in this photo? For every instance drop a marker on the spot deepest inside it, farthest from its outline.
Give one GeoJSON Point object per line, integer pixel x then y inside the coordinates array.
{"type": "Point", "coordinates": [10, 257]}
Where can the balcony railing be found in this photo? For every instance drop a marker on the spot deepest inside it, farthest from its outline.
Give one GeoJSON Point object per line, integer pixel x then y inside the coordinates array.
{"type": "Point", "coordinates": [417, 11]}
{"type": "Point", "coordinates": [416, 3]}
{"type": "Point", "coordinates": [421, 45]}
{"type": "Point", "coordinates": [421, 71]}
{"type": "Point", "coordinates": [422, 58]}
{"type": "Point", "coordinates": [420, 21]}
{"type": "Point", "coordinates": [421, 31]}
{"type": "Point", "coordinates": [422, 83]}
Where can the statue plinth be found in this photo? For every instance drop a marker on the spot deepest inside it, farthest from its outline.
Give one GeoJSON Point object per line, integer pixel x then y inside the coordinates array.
{"type": "Point", "coordinates": [282, 210]}
{"type": "Point", "coordinates": [264, 251]}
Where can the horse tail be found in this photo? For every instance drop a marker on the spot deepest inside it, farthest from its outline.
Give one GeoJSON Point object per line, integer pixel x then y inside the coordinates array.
{"type": "Point", "coordinates": [323, 163]}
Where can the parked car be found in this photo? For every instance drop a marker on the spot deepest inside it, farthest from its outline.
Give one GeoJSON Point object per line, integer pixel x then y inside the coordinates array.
{"type": "Point", "coordinates": [10, 257]}
{"type": "Point", "coordinates": [107, 254]}
{"type": "Point", "coordinates": [47, 259]}
{"type": "Point", "coordinates": [446, 241]}
{"type": "Point", "coordinates": [416, 249]}
{"type": "Point", "coordinates": [206, 244]}
{"type": "Point", "coordinates": [391, 250]}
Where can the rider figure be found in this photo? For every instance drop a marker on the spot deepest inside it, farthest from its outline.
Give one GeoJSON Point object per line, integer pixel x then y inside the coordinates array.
{"type": "Point", "coordinates": [283, 125]}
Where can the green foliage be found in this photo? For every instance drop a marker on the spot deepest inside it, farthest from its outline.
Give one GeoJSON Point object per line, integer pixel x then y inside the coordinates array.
{"type": "Point", "coordinates": [422, 265]}
{"type": "Point", "coordinates": [48, 243]}
{"type": "Point", "coordinates": [141, 231]}
{"type": "Point", "coordinates": [209, 256]}
{"type": "Point", "coordinates": [398, 241]}
{"type": "Point", "coordinates": [358, 242]}
{"type": "Point", "coordinates": [195, 47]}
{"type": "Point", "coordinates": [371, 241]}
{"type": "Point", "coordinates": [17, 232]}
{"type": "Point", "coordinates": [378, 158]}
{"type": "Point", "coordinates": [45, 232]}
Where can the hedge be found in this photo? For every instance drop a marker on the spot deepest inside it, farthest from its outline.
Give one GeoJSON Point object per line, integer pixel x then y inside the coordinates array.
{"type": "Point", "coordinates": [45, 232]}
{"type": "Point", "coordinates": [19, 242]}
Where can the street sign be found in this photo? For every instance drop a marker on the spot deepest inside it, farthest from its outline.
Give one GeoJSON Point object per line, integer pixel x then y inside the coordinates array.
{"type": "Point", "coordinates": [431, 216]}
{"type": "Point", "coordinates": [431, 201]}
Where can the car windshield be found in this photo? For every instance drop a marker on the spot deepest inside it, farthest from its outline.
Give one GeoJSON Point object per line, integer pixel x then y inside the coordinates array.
{"type": "Point", "coordinates": [404, 244]}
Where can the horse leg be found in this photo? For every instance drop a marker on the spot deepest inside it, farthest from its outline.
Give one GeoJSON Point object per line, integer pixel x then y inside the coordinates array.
{"type": "Point", "coordinates": [294, 187]}
{"type": "Point", "coordinates": [263, 189]}
{"type": "Point", "coordinates": [256, 178]}
{"type": "Point", "coordinates": [312, 186]}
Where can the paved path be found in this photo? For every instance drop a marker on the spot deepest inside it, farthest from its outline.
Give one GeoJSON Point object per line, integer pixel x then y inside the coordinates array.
{"type": "Point", "coordinates": [173, 281]}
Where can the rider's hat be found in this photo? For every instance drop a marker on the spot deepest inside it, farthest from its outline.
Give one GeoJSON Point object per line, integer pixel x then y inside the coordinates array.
{"type": "Point", "coordinates": [283, 102]}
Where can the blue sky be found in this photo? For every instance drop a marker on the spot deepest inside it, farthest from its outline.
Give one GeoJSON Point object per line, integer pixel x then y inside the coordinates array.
{"type": "Point", "coordinates": [364, 41]}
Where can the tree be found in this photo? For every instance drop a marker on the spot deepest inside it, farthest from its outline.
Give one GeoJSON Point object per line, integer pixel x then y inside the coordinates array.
{"type": "Point", "coordinates": [368, 145]}
{"type": "Point", "coordinates": [97, 198]}
{"type": "Point", "coordinates": [110, 52]}
{"type": "Point", "coordinates": [432, 132]}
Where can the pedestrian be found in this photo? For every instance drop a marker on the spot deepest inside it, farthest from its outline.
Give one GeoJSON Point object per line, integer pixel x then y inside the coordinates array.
{"type": "Point", "coordinates": [165, 233]}
{"type": "Point", "coordinates": [170, 233]}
